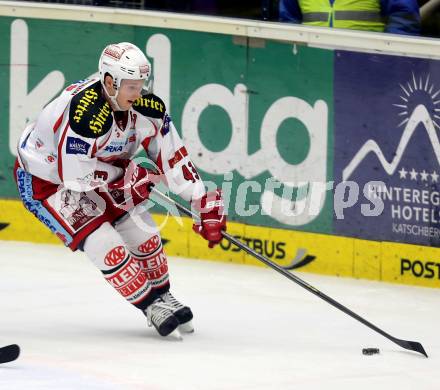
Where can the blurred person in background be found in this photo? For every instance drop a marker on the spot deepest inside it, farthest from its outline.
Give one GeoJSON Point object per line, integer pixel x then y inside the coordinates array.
{"type": "Point", "coordinates": [391, 16]}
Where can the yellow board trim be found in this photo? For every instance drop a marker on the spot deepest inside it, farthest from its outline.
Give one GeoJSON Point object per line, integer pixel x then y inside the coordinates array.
{"type": "Point", "coordinates": [325, 254]}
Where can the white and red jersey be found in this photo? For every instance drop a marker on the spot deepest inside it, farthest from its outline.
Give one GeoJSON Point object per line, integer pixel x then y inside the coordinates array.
{"type": "Point", "coordinates": [78, 139]}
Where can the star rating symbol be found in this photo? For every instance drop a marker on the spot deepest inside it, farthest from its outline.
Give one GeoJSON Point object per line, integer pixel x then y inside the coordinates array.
{"type": "Point", "coordinates": [402, 173]}
{"type": "Point", "coordinates": [413, 173]}
{"type": "Point", "coordinates": [424, 175]}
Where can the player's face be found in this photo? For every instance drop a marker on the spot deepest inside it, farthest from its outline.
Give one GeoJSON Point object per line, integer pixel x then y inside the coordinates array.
{"type": "Point", "coordinates": [129, 92]}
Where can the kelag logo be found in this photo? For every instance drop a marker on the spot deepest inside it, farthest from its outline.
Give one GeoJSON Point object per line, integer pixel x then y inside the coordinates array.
{"type": "Point", "coordinates": [393, 140]}
{"type": "Point", "coordinates": [76, 146]}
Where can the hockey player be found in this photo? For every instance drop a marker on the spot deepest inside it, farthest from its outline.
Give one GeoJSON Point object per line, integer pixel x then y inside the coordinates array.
{"type": "Point", "coordinates": [75, 172]}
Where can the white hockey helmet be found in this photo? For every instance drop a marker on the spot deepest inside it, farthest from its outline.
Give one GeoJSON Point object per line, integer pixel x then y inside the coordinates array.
{"type": "Point", "coordinates": [123, 61]}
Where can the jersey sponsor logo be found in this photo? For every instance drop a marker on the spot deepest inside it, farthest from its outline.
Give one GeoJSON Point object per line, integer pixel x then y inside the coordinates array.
{"type": "Point", "coordinates": [115, 145]}
{"type": "Point", "coordinates": [150, 245]}
{"type": "Point", "coordinates": [83, 105]}
{"type": "Point", "coordinates": [150, 106]}
{"type": "Point", "coordinates": [155, 267]}
{"type": "Point", "coordinates": [76, 146]}
{"type": "Point", "coordinates": [159, 275]}
{"type": "Point", "coordinates": [139, 294]}
{"type": "Point", "coordinates": [113, 149]}
{"type": "Point", "coordinates": [130, 271]}
{"type": "Point", "coordinates": [99, 119]}
{"type": "Point", "coordinates": [129, 280]}
{"type": "Point", "coordinates": [150, 102]}
{"type": "Point", "coordinates": [115, 256]}
{"type": "Point", "coordinates": [156, 261]}
{"type": "Point", "coordinates": [90, 114]}
{"type": "Point", "coordinates": [24, 183]}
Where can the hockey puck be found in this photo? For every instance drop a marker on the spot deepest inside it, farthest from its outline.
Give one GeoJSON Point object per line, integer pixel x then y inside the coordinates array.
{"type": "Point", "coordinates": [370, 351]}
{"type": "Point", "coordinates": [9, 353]}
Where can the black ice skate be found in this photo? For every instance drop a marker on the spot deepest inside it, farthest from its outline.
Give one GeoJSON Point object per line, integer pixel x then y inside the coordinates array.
{"type": "Point", "coordinates": [183, 313]}
{"type": "Point", "coordinates": [160, 315]}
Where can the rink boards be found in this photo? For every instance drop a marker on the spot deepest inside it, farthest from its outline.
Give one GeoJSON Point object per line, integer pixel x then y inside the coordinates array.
{"type": "Point", "coordinates": [310, 252]}
{"type": "Point", "coordinates": [285, 114]}
{"type": "Point", "coordinates": [281, 128]}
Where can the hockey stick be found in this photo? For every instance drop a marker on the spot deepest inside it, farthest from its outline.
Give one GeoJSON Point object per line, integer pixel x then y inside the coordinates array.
{"type": "Point", "coordinates": [411, 345]}
{"type": "Point", "coordinates": [9, 353]}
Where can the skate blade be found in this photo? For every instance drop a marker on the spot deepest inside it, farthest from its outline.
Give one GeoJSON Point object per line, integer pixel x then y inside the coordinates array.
{"type": "Point", "coordinates": [187, 327]}
{"type": "Point", "coordinates": [175, 334]}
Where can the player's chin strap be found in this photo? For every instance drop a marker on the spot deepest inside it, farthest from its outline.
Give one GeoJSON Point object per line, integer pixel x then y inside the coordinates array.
{"type": "Point", "coordinates": [112, 99]}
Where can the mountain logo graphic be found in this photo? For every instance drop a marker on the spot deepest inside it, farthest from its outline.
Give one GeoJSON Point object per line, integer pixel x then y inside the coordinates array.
{"type": "Point", "coordinates": [419, 115]}
{"type": "Point", "coordinates": [414, 93]}
{"type": "Point", "coordinates": [419, 99]}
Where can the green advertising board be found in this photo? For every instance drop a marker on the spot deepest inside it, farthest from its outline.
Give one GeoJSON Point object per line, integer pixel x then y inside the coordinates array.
{"type": "Point", "coordinates": [256, 115]}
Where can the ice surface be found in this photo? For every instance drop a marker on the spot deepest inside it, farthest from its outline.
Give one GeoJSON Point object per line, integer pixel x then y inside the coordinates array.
{"type": "Point", "coordinates": [254, 329]}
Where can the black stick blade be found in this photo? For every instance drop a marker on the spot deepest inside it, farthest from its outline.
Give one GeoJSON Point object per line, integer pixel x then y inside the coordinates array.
{"type": "Point", "coordinates": [9, 353]}
{"type": "Point", "coordinates": [412, 346]}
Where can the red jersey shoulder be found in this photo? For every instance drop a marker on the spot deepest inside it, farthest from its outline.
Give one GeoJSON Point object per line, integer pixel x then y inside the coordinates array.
{"type": "Point", "coordinates": [90, 115]}
{"type": "Point", "coordinates": [150, 106]}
